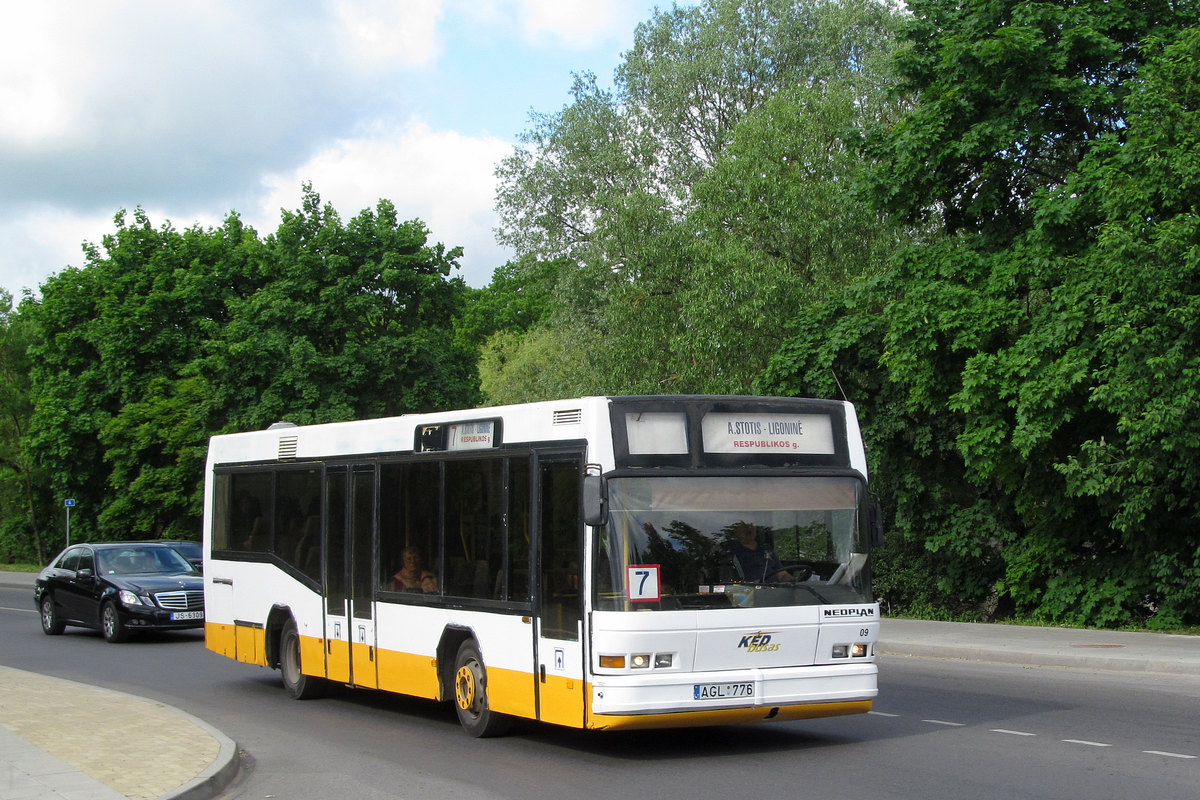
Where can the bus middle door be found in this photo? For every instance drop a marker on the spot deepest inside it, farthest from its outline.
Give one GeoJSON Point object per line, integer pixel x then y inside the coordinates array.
{"type": "Point", "coordinates": [349, 613]}
{"type": "Point", "coordinates": [559, 657]}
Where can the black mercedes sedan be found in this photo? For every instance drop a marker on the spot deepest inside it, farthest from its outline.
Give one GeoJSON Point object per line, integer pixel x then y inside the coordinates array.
{"type": "Point", "coordinates": [120, 588]}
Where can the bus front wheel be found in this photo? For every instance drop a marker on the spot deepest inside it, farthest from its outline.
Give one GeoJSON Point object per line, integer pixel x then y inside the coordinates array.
{"type": "Point", "coordinates": [298, 685]}
{"type": "Point", "coordinates": [470, 695]}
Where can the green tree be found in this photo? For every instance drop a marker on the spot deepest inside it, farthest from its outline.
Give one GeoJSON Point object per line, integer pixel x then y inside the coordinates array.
{"type": "Point", "coordinates": [1040, 447]}
{"type": "Point", "coordinates": [166, 337]}
{"type": "Point", "coordinates": [519, 296]}
{"type": "Point", "coordinates": [694, 202]}
{"type": "Point", "coordinates": [351, 321]}
{"type": "Point", "coordinates": [115, 336]}
{"type": "Point", "coordinates": [22, 531]}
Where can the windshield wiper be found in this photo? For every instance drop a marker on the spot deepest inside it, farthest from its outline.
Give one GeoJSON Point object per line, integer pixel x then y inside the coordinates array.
{"type": "Point", "coordinates": [797, 585]}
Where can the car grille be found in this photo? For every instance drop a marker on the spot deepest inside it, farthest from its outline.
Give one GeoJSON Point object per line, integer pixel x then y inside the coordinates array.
{"type": "Point", "coordinates": [181, 601]}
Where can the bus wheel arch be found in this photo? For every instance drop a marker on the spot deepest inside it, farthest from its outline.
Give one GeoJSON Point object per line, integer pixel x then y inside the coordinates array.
{"type": "Point", "coordinates": [273, 633]}
{"type": "Point", "coordinates": [447, 651]}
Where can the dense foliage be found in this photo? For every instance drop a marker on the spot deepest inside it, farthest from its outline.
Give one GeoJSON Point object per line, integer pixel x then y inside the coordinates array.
{"type": "Point", "coordinates": [164, 338]}
{"type": "Point", "coordinates": [1029, 365]}
{"type": "Point", "coordinates": [697, 203]}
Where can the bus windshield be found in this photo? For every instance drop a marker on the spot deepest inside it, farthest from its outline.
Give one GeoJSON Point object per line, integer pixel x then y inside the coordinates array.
{"type": "Point", "coordinates": [732, 542]}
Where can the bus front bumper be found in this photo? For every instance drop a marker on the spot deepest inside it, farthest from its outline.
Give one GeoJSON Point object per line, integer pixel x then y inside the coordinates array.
{"type": "Point", "coordinates": [850, 688]}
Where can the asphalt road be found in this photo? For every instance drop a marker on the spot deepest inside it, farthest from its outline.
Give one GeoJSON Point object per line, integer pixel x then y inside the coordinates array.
{"type": "Point", "coordinates": [940, 729]}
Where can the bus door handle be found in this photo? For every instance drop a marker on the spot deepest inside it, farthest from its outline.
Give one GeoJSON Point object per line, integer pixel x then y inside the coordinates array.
{"type": "Point", "coordinates": [542, 672]}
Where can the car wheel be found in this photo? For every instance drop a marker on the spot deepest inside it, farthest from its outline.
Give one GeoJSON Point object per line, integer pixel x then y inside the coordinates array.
{"type": "Point", "coordinates": [51, 624]}
{"type": "Point", "coordinates": [298, 685]}
{"type": "Point", "coordinates": [111, 625]}
{"type": "Point", "coordinates": [470, 695]}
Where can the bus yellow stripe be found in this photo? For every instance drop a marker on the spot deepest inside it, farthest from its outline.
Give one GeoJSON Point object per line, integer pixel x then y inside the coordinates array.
{"type": "Point", "coordinates": [511, 692]}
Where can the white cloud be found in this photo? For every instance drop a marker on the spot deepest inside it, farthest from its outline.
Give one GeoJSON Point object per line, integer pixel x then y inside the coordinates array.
{"type": "Point", "coordinates": [440, 177]}
{"type": "Point", "coordinates": [184, 106]}
{"type": "Point", "coordinates": [42, 240]}
{"type": "Point", "coordinates": [384, 31]}
{"type": "Point", "coordinates": [576, 24]}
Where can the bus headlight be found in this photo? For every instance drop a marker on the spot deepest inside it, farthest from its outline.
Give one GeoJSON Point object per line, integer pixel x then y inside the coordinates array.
{"type": "Point", "coordinates": [858, 650]}
{"type": "Point", "coordinates": [841, 651]}
{"type": "Point", "coordinates": [640, 661]}
{"type": "Point", "coordinates": [664, 661]}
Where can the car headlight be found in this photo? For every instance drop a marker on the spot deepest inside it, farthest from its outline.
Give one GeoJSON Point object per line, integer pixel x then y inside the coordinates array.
{"type": "Point", "coordinates": [129, 598]}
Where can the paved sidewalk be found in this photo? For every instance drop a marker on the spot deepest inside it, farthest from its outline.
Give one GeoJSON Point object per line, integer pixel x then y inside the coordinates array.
{"type": "Point", "coordinates": [62, 739]}
{"type": "Point", "coordinates": [1044, 647]}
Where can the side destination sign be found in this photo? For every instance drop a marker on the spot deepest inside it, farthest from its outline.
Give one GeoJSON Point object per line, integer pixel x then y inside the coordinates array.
{"type": "Point", "coordinates": [810, 434]}
{"type": "Point", "coordinates": [471, 435]}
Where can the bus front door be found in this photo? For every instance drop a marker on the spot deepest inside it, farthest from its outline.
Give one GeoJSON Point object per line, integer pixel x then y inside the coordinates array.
{"type": "Point", "coordinates": [559, 656]}
{"type": "Point", "coordinates": [349, 614]}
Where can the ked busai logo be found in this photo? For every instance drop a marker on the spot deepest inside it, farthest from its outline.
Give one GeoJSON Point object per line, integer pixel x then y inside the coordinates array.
{"type": "Point", "coordinates": [758, 642]}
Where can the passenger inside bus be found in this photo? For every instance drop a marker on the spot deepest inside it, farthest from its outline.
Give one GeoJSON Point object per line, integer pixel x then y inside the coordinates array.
{"type": "Point", "coordinates": [411, 577]}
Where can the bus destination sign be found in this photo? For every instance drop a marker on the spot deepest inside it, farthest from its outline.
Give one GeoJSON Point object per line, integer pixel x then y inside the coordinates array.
{"type": "Point", "coordinates": [809, 434]}
{"type": "Point", "coordinates": [471, 435]}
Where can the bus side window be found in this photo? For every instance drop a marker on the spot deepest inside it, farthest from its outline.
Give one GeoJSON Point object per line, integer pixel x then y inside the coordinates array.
{"type": "Point", "coordinates": [249, 529]}
{"type": "Point", "coordinates": [560, 530]}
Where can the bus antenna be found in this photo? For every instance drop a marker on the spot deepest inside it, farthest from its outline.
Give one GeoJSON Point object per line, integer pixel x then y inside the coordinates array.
{"type": "Point", "coordinates": [839, 384]}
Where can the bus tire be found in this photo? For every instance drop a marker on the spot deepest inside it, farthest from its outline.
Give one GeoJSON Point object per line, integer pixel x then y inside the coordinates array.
{"type": "Point", "coordinates": [298, 685]}
{"type": "Point", "coordinates": [470, 695]}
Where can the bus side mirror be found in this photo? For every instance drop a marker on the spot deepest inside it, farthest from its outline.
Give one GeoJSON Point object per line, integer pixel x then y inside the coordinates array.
{"type": "Point", "coordinates": [595, 505]}
{"type": "Point", "coordinates": [876, 521]}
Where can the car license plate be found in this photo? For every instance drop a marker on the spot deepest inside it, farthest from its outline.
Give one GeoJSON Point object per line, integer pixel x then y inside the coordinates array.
{"type": "Point", "coordinates": [722, 691]}
{"type": "Point", "coordinates": [178, 615]}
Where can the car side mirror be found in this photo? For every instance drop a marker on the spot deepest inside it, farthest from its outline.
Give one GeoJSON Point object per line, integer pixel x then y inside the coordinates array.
{"type": "Point", "coordinates": [595, 503]}
{"type": "Point", "coordinates": [85, 573]}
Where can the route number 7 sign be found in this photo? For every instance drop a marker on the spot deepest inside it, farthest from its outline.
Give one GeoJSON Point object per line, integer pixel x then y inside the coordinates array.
{"type": "Point", "coordinates": [642, 580]}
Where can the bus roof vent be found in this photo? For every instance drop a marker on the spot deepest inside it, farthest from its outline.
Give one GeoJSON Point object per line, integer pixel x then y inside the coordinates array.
{"type": "Point", "coordinates": [274, 426]}
{"type": "Point", "coordinates": [572, 417]}
{"type": "Point", "coordinates": [288, 446]}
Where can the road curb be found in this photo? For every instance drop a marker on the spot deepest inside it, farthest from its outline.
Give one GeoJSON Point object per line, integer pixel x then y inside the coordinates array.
{"type": "Point", "coordinates": [216, 776]}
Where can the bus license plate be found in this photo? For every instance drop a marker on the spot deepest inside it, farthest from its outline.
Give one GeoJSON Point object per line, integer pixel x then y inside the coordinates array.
{"type": "Point", "coordinates": [722, 691]}
{"type": "Point", "coordinates": [178, 615]}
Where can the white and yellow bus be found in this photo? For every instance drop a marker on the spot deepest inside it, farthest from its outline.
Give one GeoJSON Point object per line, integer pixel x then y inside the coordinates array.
{"type": "Point", "coordinates": [601, 563]}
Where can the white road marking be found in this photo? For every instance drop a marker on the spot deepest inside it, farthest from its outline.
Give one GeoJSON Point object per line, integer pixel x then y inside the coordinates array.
{"type": "Point", "coordinates": [1168, 755]}
{"type": "Point", "coordinates": [22, 610]}
{"type": "Point", "coordinates": [1163, 753]}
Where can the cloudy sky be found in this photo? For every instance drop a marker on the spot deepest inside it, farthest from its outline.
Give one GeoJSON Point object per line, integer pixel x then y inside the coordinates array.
{"type": "Point", "coordinates": [193, 108]}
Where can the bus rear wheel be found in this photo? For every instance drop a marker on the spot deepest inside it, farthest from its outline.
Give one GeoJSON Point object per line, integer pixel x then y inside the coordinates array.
{"type": "Point", "coordinates": [470, 695]}
{"type": "Point", "coordinates": [298, 685]}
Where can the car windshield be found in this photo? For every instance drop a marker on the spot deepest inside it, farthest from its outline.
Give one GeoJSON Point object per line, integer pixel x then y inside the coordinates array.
{"type": "Point", "coordinates": [694, 542]}
{"type": "Point", "coordinates": [141, 560]}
